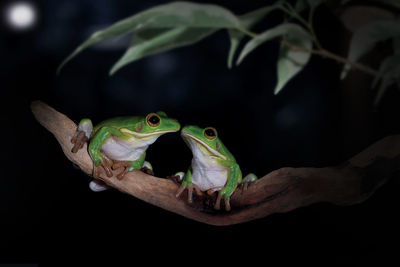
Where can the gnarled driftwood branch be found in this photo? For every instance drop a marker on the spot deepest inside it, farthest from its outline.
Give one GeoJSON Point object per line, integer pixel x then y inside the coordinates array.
{"type": "Point", "coordinates": [279, 191]}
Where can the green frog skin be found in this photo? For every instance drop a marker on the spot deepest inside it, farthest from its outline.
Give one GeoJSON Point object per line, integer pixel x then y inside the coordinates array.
{"type": "Point", "coordinates": [123, 140]}
{"type": "Point", "coordinates": [213, 167]}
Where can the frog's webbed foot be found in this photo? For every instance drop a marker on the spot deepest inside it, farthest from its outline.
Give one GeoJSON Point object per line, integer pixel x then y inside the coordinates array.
{"type": "Point", "coordinates": [147, 168]}
{"type": "Point", "coordinates": [130, 166]}
{"type": "Point", "coordinates": [106, 165]}
{"type": "Point", "coordinates": [82, 134]}
{"type": "Point", "coordinates": [121, 164]}
{"type": "Point", "coordinates": [217, 204]}
{"type": "Point", "coordinates": [177, 178]}
{"type": "Point", "coordinates": [79, 139]}
{"type": "Point", "coordinates": [98, 185]}
{"type": "Point", "coordinates": [190, 188]}
{"type": "Point", "coordinates": [247, 181]}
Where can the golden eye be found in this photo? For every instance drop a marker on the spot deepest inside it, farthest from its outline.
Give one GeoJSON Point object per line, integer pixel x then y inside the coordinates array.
{"type": "Point", "coordinates": [210, 133]}
{"type": "Point", "coordinates": [153, 120]}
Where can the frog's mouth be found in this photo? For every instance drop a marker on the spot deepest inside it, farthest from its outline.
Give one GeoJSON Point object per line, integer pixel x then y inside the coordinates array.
{"type": "Point", "coordinates": [204, 145]}
{"type": "Point", "coordinates": [136, 134]}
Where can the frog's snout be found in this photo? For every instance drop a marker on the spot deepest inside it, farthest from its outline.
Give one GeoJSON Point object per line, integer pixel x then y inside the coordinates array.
{"type": "Point", "coordinates": [178, 125]}
{"type": "Point", "coordinates": [185, 128]}
{"type": "Point", "coordinates": [174, 125]}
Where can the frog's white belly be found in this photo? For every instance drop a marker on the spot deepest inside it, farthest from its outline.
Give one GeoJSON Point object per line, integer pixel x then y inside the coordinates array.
{"type": "Point", "coordinates": [129, 150]}
{"type": "Point", "coordinates": [208, 175]}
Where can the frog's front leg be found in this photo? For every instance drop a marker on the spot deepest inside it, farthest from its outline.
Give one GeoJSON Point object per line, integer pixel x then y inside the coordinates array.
{"type": "Point", "coordinates": [131, 165]}
{"type": "Point", "coordinates": [98, 185]}
{"type": "Point", "coordinates": [234, 177]}
{"type": "Point", "coordinates": [82, 134]}
{"type": "Point", "coordinates": [187, 184]}
{"type": "Point", "coordinates": [95, 150]}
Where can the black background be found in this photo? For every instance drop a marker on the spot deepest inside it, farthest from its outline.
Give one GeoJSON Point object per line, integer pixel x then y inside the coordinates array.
{"type": "Point", "coordinates": [47, 211]}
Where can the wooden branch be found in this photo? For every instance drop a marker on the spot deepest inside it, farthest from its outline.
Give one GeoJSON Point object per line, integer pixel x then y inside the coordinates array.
{"type": "Point", "coordinates": [279, 191]}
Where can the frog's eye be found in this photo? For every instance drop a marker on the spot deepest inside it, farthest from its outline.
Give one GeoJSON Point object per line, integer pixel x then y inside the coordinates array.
{"type": "Point", "coordinates": [153, 120]}
{"type": "Point", "coordinates": [210, 133]}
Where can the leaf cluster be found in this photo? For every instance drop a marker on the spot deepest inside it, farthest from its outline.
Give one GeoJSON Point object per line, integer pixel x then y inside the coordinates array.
{"type": "Point", "coordinates": [179, 24]}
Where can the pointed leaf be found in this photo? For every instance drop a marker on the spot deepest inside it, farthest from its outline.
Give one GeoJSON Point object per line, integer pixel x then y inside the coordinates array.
{"type": "Point", "coordinates": [268, 35]}
{"type": "Point", "coordinates": [248, 20]}
{"type": "Point", "coordinates": [389, 68]}
{"type": "Point", "coordinates": [235, 37]}
{"type": "Point", "coordinates": [385, 84]}
{"type": "Point", "coordinates": [291, 61]}
{"type": "Point", "coordinates": [366, 37]}
{"type": "Point", "coordinates": [389, 74]}
{"type": "Point", "coordinates": [154, 41]}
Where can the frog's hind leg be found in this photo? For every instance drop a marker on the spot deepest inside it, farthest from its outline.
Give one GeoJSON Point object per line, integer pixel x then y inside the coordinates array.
{"type": "Point", "coordinates": [98, 186]}
{"type": "Point", "coordinates": [147, 168]}
{"type": "Point", "coordinates": [82, 134]}
{"type": "Point", "coordinates": [248, 180]}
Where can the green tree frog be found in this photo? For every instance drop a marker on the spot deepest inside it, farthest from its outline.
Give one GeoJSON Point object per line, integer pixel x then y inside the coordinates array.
{"type": "Point", "coordinates": [213, 167]}
{"type": "Point", "coordinates": [121, 142]}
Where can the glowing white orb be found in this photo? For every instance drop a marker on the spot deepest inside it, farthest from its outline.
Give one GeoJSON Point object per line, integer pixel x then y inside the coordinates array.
{"type": "Point", "coordinates": [21, 15]}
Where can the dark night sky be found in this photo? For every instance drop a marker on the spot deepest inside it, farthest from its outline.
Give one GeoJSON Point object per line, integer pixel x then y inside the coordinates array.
{"type": "Point", "coordinates": [46, 207]}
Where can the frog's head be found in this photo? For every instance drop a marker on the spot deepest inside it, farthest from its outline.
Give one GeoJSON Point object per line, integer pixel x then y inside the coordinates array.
{"type": "Point", "coordinates": [205, 142]}
{"type": "Point", "coordinates": [152, 126]}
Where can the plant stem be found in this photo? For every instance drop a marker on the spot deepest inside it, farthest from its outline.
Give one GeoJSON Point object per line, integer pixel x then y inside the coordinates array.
{"type": "Point", "coordinates": [325, 53]}
{"type": "Point", "coordinates": [320, 50]}
{"type": "Point", "coordinates": [311, 27]}
{"type": "Point", "coordinates": [247, 32]}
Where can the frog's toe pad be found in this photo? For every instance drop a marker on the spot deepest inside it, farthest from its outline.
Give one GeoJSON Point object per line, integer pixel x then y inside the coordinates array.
{"type": "Point", "coordinates": [180, 191]}
{"type": "Point", "coordinates": [217, 205]}
{"type": "Point", "coordinates": [79, 139]}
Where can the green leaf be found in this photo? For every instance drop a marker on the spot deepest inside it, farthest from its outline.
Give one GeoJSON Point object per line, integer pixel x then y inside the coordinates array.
{"type": "Point", "coordinates": [248, 20]}
{"type": "Point", "coordinates": [175, 14]}
{"type": "Point", "coordinates": [152, 41]}
{"type": "Point", "coordinates": [268, 35]}
{"type": "Point", "coordinates": [366, 37]}
{"type": "Point", "coordinates": [292, 61]}
{"type": "Point", "coordinates": [389, 74]}
{"type": "Point", "coordinates": [385, 84]}
{"type": "Point", "coordinates": [389, 68]}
